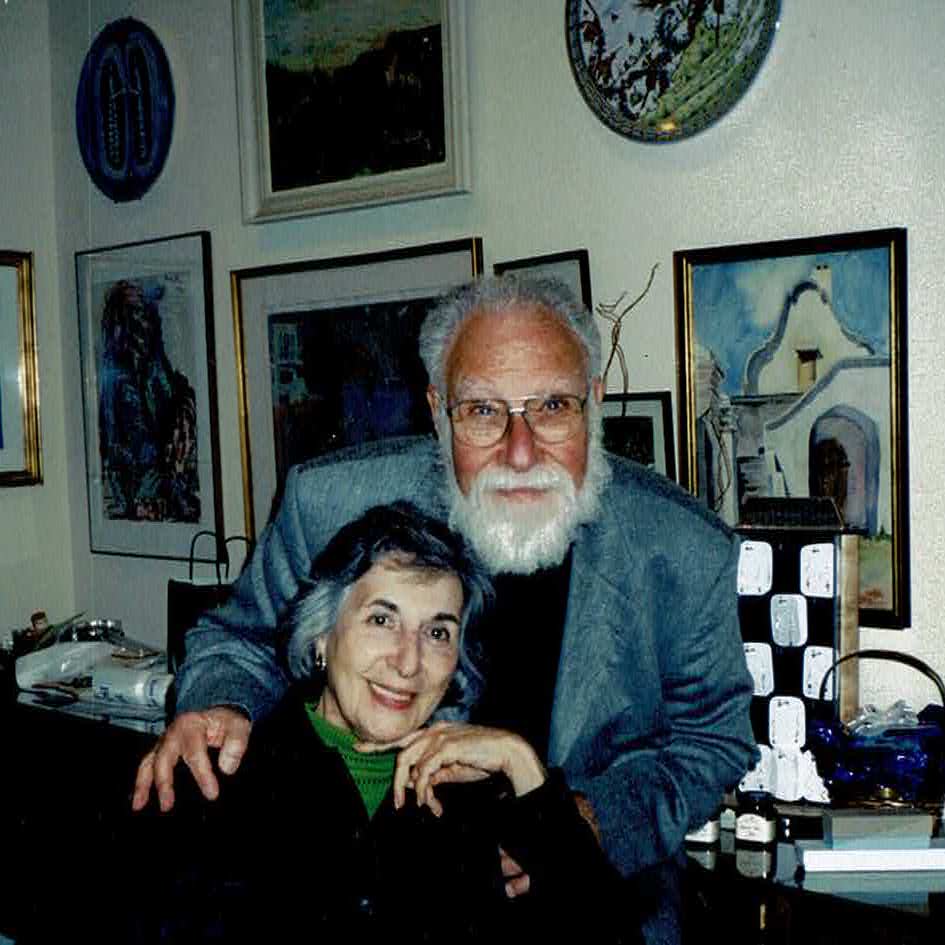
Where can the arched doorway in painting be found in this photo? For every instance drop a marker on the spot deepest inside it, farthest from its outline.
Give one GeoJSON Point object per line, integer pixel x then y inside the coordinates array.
{"type": "Point", "coordinates": [843, 464]}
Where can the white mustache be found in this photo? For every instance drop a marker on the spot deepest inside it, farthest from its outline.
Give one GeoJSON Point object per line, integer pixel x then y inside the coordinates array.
{"type": "Point", "coordinates": [538, 477]}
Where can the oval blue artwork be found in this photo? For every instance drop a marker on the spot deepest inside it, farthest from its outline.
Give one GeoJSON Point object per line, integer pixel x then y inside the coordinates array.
{"type": "Point", "coordinates": [124, 110]}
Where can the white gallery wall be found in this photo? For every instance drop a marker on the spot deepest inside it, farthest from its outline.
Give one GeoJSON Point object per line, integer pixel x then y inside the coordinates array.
{"type": "Point", "coordinates": [843, 130]}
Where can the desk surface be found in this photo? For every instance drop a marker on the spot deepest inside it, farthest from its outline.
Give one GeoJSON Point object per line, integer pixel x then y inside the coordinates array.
{"type": "Point", "coordinates": [859, 907]}
{"type": "Point", "coordinates": [66, 828]}
{"type": "Point", "coordinates": [135, 718]}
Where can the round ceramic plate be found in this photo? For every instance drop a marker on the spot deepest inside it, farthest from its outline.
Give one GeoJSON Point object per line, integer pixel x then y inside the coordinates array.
{"type": "Point", "coordinates": [124, 109]}
{"type": "Point", "coordinates": [660, 70]}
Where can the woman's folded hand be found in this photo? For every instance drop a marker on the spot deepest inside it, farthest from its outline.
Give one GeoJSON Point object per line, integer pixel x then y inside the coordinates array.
{"type": "Point", "coordinates": [449, 752]}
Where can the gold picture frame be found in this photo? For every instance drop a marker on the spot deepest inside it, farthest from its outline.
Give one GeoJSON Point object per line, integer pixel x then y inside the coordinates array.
{"type": "Point", "coordinates": [20, 455]}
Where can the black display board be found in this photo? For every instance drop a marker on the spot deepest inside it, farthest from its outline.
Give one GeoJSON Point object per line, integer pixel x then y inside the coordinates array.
{"type": "Point", "coordinates": [789, 607]}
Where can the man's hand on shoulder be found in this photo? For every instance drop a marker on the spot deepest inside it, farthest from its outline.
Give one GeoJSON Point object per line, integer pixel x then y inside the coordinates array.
{"type": "Point", "coordinates": [190, 736]}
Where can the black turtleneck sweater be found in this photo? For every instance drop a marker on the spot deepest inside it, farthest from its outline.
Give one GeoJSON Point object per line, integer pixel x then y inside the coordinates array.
{"type": "Point", "coordinates": [521, 645]}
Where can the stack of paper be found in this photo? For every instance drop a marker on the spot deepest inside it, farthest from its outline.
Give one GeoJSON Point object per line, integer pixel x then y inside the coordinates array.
{"type": "Point", "coordinates": [878, 840]}
{"type": "Point", "coordinates": [817, 856]}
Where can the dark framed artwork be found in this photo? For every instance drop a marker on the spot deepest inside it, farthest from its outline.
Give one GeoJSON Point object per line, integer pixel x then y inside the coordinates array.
{"type": "Point", "coordinates": [149, 394]}
{"type": "Point", "coordinates": [572, 267]}
{"type": "Point", "coordinates": [327, 355]}
{"type": "Point", "coordinates": [639, 426]}
{"type": "Point", "coordinates": [349, 104]}
{"type": "Point", "coordinates": [792, 382]}
{"type": "Point", "coordinates": [20, 463]}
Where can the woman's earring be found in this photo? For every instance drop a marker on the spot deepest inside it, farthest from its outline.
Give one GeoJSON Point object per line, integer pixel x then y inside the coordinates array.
{"type": "Point", "coordinates": [320, 662]}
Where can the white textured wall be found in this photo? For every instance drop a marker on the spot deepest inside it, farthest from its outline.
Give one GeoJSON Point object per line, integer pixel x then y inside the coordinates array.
{"type": "Point", "coordinates": [36, 564]}
{"type": "Point", "coordinates": [843, 130]}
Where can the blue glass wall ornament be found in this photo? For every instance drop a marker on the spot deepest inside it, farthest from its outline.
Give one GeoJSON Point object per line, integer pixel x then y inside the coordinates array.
{"type": "Point", "coordinates": [124, 110]}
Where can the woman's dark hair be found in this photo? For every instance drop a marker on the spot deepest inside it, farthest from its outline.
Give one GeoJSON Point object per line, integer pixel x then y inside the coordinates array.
{"type": "Point", "coordinates": [399, 533]}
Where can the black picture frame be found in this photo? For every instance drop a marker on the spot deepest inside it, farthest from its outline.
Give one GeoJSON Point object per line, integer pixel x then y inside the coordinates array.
{"type": "Point", "coordinates": [639, 426]}
{"type": "Point", "coordinates": [146, 343]}
{"type": "Point", "coordinates": [571, 267]}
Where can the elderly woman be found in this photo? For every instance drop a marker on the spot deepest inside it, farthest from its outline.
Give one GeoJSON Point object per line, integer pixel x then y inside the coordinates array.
{"type": "Point", "coordinates": [342, 823]}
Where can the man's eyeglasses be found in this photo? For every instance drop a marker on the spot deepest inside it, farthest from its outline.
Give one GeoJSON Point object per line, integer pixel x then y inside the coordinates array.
{"type": "Point", "coordinates": [552, 419]}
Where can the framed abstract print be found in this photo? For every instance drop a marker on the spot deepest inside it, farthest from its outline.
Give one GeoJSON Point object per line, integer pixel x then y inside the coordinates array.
{"type": "Point", "coordinates": [149, 395]}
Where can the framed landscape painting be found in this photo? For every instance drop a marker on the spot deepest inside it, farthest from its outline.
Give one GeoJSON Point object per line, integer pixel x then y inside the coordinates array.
{"type": "Point", "coordinates": [347, 104]}
{"type": "Point", "coordinates": [792, 360]}
{"type": "Point", "coordinates": [327, 356]}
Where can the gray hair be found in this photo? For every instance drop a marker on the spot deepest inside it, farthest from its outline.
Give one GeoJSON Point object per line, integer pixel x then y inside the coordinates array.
{"type": "Point", "coordinates": [496, 294]}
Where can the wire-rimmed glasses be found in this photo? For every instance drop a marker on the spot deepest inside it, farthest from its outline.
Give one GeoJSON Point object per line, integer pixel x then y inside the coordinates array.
{"type": "Point", "coordinates": [483, 422]}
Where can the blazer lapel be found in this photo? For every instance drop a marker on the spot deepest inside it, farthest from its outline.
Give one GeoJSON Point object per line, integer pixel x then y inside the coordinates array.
{"type": "Point", "coordinates": [596, 614]}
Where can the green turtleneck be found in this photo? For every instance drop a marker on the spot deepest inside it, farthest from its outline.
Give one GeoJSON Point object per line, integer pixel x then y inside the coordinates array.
{"type": "Point", "coordinates": [372, 773]}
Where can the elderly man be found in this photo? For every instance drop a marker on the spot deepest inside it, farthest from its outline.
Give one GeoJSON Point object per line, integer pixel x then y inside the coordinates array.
{"type": "Point", "coordinates": [614, 647]}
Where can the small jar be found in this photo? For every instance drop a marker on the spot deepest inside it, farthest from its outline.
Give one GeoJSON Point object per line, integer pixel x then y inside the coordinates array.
{"type": "Point", "coordinates": [755, 819]}
{"type": "Point", "coordinates": [705, 836]}
{"type": "Point", "coordinates": [706, 857]}
{"type": "Point", "coordinates": [755, 862]}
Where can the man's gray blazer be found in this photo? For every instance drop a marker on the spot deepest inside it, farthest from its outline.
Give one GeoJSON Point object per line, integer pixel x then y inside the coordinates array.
{"type": "Point", "coordinates": [650, 717]}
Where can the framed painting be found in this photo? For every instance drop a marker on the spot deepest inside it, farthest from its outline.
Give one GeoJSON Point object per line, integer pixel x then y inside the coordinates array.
{"type": "Point", "coordinates": [639, 426]}
{"type": "Point", "coordinates": [792, 383]}
{"type": "Point", "coordinates": [146, 344]}
{"type": "Point", "coordinates": [347, 105]}
{"type": "Point", "coordinates": [327, 356]}
{"type": "Point", "coordinates": [572, 268]}
{"type": "Point", "coordinates": [19, 374]}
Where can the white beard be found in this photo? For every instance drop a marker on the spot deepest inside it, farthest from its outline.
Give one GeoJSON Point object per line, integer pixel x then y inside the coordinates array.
{"type": "Point", "coordinates": [522, 537]}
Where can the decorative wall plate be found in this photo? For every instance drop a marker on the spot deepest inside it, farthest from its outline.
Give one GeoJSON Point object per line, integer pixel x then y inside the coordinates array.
{"type": "Point", "coordinates": [660, 70]}
{"type": "Point", "coordinates": [124, 109]}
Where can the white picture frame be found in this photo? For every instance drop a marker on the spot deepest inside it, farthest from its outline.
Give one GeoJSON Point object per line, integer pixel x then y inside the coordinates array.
{"type": "Point", "coordinates": [323, 182]}
{"type": "Point", "coordinates": [302, 332]}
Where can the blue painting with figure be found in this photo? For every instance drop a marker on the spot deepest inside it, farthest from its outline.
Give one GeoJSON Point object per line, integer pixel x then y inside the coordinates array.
{"type": "Point", "coordinates": [147, 412]}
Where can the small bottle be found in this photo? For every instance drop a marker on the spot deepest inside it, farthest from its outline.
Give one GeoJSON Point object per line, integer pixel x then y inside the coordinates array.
{"type": "Point", "coordinates": [755, 819]}
{"type": "Point", "coordinates": [755, 862]}
{"type": "Point", "coordinates": [706, 857]}
{"type": "Point", "coordinates": [707, 835]}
